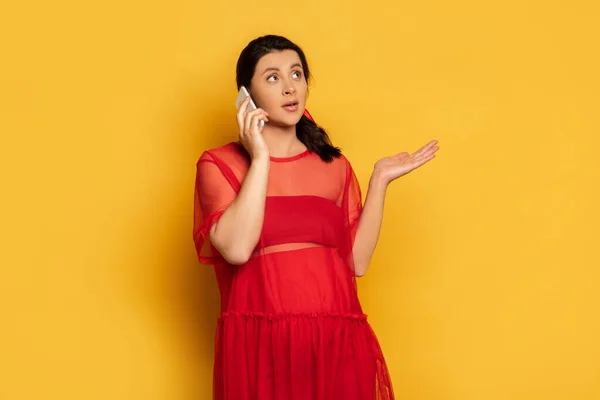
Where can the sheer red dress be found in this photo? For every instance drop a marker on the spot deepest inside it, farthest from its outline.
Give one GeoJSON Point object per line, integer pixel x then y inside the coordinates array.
{"type": "Point", "coordinates": [291, 326]}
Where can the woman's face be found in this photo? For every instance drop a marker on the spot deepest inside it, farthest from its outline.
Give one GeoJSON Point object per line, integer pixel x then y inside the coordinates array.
{"type": "Point", "coordinates": [279, 81]}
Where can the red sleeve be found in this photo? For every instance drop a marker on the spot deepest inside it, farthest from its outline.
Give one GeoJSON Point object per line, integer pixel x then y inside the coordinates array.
{"type": "Point", "coordinates": [352, 207]}
{"type": "Point", "coordinates": [212, 195]}
{"type": "Point", "coordinates": [353, 202]}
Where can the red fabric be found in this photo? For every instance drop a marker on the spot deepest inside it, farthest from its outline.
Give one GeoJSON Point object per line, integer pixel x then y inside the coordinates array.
{"type": "Point", "coordinates": [307, 114]}
{"type": "Point", "coordinates": [291, 324]}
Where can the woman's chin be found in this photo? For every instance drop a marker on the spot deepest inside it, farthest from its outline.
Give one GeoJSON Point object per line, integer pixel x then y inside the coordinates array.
{"type": "Point", "coordinates": [288, 121]}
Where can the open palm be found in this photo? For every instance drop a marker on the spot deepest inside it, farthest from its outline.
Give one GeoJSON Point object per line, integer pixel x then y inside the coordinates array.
{"type": "Point", "coordinates": [394, 167]}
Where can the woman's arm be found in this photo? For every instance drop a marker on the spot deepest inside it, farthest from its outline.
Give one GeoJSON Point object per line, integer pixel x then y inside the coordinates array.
{"type": "Point", "coordinates": [236, 233]}
{"type": "Point", "coordinates": [369, 224]}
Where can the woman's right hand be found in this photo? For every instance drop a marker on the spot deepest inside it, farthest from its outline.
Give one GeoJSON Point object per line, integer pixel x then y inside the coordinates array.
{"type": "Point", "coordinates": [250, 136]}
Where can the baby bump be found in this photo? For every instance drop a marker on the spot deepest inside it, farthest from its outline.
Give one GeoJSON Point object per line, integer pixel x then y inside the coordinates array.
{"type": "Point", "coordinates": [305, 280]}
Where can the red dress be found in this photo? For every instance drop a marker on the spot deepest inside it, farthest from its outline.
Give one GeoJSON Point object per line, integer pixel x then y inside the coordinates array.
{"type": "Point", "coordinates": [291, 325]}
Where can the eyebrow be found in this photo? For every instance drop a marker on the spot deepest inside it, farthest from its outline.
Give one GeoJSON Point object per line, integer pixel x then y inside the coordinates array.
{"type": "Point", "coordinates": [277, 69]}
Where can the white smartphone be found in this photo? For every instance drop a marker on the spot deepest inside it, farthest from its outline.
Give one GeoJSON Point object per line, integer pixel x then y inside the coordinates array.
{"type": "Point", "coordinates": [242, 94]}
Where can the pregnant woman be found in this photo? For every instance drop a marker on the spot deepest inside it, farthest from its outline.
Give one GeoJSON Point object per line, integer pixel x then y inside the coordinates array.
{"type": "Point", "coordinates": [280, 216]}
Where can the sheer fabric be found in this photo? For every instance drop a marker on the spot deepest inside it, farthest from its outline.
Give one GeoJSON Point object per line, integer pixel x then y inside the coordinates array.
{"type": "Point", "coordinates": [291, 325]}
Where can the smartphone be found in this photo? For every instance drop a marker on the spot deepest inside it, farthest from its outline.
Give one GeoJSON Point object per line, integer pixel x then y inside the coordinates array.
{"type": "Point", "coordinates": [242, 94]}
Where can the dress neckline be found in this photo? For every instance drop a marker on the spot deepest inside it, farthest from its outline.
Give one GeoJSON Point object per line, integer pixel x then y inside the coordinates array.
{"type": "Point", "coordinates": [280, 159]}
{"type": "Point", "coordinates": [291, 158]}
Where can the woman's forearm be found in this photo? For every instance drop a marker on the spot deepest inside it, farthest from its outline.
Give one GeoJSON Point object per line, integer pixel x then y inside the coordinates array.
{"type": "Point", "coordinates": [236, 233]}
{"type": "Point", "coordinates": [369, 224]}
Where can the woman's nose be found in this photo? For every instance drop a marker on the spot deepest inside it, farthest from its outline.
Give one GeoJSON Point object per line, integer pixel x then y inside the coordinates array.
{"type": "Point", "coordinates": [289, 91]}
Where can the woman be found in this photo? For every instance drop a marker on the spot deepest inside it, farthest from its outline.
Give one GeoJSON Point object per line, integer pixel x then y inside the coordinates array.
{"type": "Point", "coordinates": [279, 214]}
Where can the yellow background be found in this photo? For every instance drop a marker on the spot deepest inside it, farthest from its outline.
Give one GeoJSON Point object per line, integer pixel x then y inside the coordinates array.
{"type": "Point", "coordinates": [485, 283]}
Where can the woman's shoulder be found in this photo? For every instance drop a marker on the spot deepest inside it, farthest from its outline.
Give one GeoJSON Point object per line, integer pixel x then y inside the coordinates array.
{"type": "Point", "coordinates": [231, 160]}
{"type": "Point", "coordinates": [342, 162]}
{"type": "Point", "coordinates": [232, 152]}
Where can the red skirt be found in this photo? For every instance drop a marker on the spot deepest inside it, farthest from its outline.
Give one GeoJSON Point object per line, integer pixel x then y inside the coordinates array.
{"type": "Point", "coordinates": [298, 357]}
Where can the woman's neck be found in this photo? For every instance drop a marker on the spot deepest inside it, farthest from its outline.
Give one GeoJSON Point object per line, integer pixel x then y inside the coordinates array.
{"type": "Point", "coordinates": [282, 141]}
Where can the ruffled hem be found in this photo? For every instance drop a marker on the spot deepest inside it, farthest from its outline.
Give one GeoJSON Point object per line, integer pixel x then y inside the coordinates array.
{"type": "Point", "coordinates": [290, 316]}
{"type": "Point", "coordinates": [317, 356]}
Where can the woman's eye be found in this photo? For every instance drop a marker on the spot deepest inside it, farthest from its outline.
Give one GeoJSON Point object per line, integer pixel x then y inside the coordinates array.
{"type": "Point", "coordinates": [271, 78]}
{"type": "Point", "coordinates": [298, 74]}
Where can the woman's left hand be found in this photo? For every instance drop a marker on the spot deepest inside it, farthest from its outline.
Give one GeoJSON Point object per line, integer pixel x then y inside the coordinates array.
{"type": "Point", "coordinates": [391, 168]}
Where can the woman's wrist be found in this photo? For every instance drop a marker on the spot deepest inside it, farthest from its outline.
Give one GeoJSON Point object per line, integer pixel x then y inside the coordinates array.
{"type": "Point", "coordinates": [378, 181]}
{"type": "Point", "coordinates": [261, 160]}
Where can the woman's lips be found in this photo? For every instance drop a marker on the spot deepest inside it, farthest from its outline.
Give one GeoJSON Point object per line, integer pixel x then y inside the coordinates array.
{"type": "Point", "coordinates": [291, 107]}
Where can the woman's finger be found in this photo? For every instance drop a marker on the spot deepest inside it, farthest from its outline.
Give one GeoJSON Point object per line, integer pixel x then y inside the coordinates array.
{"type": "Point", "coordinates": [248, 121]}
{"type": "Point", "coordinates": [243, 106]}
{"type": "Point", "coordinates": [430, 151]}
{"type": "Point", "coordinates": [242, 113]}
{"type": "Point", "coordinates": [423, 160]}
{"type": "Point", "coordinates": [425, 148]}
{"type": "Point", "coordinates": [256, 118]}
{"type": "Point", "coordinates": [260, 114]}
